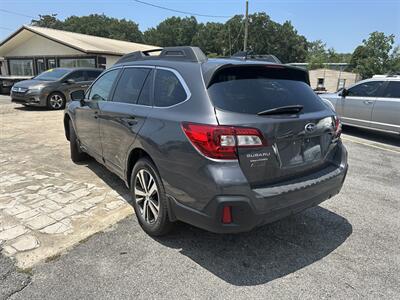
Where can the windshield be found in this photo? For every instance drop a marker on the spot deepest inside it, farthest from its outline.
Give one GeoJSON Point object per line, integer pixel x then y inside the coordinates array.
{"type": "Point", "coordinates": [252, 90]}
{"type": "Point", "coordinates": [52, 74]}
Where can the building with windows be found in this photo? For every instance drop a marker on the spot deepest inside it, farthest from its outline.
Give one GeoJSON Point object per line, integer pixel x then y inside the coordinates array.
{"type": "Point", "coordinates": [330, 78]}
{"type": "Point", "coordinates": [31, 50]}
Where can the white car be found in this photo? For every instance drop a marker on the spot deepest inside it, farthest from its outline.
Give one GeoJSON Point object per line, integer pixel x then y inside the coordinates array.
{"type": "Point", "coordinates": [372, 103]}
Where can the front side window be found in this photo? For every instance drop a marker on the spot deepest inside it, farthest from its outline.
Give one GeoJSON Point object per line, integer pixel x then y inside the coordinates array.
{"type": "Point", "coordinates": [130, 85]}
{"type": "Point", "coordinates": [100, 90]}
{"type": "Point", "coordinates": [365, 89]}
{"type": "Point", "coordinates": [392, 90]}
{"type": "Point", "coordinates": [92, 75]}
{"type": "Point", "coordinates": [168, 90]}
{"type": "Point", "coordinates": [21, 67]}
{"type": "Point", "coordinates": [77, 76]}
{"type": "Point", "coordinates": [251, 90]}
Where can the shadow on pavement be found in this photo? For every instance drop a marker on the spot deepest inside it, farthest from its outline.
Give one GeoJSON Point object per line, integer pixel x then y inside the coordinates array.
{"type": "Point", "coordinates": [255, 257]}
{"type": "Point", "coordinates": [266, 253]}
{"type": "Point", "coordinates": [32, 108]}
{"type": "Point", "coordinates": [374, 136]}
{"type": "Point", "coordinates": [112, 180]}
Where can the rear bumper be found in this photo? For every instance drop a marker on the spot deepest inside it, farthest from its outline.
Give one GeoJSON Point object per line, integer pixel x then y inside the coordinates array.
{"type": "Point", "coordinates": [264, 205]}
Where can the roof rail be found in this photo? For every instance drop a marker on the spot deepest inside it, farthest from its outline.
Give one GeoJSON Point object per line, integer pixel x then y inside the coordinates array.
{"type": "Point", "coordinates": [386, 76]}
{"type": "Point", "coordinates": [250, 55]}
{"type": "Point", "coordinates": [183, 53]}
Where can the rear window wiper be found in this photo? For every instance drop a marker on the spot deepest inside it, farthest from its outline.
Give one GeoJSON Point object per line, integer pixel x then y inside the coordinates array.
{"type": "Point", "coordinates": [290, 109]}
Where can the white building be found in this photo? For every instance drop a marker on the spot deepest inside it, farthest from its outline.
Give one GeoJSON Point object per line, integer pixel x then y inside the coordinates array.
{"type": "Point", "coordinates": [31, 50]}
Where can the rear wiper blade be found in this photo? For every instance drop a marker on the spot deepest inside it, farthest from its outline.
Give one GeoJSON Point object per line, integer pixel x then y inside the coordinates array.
{"type": "Point", "coordinates": [290, 109]}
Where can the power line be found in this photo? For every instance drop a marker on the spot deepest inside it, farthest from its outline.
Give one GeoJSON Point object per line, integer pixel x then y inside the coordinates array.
{"type": "Point", "coordinates": [16, 13]}
{"type": "Point", "coordinates": [6, 28]}
{"type": "Point", "coordinates": [180, 11]}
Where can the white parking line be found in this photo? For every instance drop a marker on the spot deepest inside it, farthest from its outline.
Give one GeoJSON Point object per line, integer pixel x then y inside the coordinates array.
{"type": "Point", "coordinates": [370, 145]}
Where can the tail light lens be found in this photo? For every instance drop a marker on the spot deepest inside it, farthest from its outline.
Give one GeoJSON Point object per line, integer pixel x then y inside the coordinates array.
{"type": "Point", "coordinates": [221, 142]}
{"type": "Point", "coordinates": [338, 126]}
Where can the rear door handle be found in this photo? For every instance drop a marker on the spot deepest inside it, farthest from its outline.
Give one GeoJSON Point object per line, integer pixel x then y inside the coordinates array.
{"type": "Point", "coordinates": [368, 101]}
{"type": "Point", "coordinates": [131, 121]}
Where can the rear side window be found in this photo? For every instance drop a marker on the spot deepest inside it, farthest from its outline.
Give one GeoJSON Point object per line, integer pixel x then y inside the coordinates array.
{"type": "Point", "coordinates": [168, 90]}
{"type": "Point", "coordinates": [251, 90]}
{"type": "Point", "coordinates": [392, 90]}
{"type": "Point", "coordinates": [145, 94]}
{"type": "Point", "coordinates": [92, 75]}
{"type": "Point", "coordinates": [129, 86]}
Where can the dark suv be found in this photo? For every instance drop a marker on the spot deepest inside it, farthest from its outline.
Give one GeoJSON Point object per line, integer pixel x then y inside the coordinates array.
{"type": "Point", "coordinates": [223, 144]}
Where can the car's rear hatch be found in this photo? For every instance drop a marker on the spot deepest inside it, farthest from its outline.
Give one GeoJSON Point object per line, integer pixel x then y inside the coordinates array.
{"type": "Point", "coordinates": [296, 142]}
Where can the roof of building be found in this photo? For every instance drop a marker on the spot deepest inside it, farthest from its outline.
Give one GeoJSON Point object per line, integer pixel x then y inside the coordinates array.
{"type": "Point", "coordinates": [82, 42]}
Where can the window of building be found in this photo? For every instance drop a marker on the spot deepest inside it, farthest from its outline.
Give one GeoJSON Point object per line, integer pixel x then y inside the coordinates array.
{"type": "Point", "coordinates": [77, 62]}
{"type": "Point", "coordinates": [21, 67]}
{"type": "Point", "coordinates": [168, 89]}
{"type": "Point", "coordinates": [130, 85]}
{"type": "Point", "coordinates": [51, 63]}
{"type": "Point", "coordinates": [341, 83]}
{"type": "Point", "coordinates": [392, 90]}
{"type": "Point", "coordinates": [40, 67]}
{"type": "Point", "coordinates": [100, 90]}
{"type": "Point", "coordinates": [320, 82]}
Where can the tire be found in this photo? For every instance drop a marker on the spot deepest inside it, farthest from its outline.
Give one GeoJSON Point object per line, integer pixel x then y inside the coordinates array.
{"type": "Point", "coordinates": [145, 202]}
{"type": "Point", "coordinates": [56, 101]}
{"type": "Point", "coordinates": [76, 153]}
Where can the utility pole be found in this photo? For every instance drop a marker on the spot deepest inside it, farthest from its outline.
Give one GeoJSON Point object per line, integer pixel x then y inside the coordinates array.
{"type": "Point", "coordinates": [246, 26]}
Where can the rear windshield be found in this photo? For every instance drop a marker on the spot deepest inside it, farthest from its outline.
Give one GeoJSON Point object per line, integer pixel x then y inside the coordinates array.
{"type": "Point", "coordinates": [254, 89]}
{"type": "Point", "coordinates": [52, 74]}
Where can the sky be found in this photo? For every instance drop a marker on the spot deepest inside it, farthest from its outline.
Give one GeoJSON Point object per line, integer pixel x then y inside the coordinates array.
{"type": "Point", "coordinates": [341, 24]}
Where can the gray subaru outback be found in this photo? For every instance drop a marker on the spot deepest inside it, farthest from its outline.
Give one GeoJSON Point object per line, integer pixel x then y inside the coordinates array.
{"type": "Point", "coordinates": [223, 144]}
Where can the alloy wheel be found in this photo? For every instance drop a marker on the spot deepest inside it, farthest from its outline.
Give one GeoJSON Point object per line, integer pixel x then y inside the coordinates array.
{"type": "Point", "coordinates": [147, 196]}
{"type": "Point", "coordinates": [56, 101]}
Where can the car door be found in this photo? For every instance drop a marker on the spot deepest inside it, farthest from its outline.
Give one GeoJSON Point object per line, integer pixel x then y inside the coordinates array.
{"type": "Point", "coordinates": [122, 118]}
{"type": "Point", "coordinates": [386, 110]}
{"type": "Point", "coordinates": [86, 116]}
{"type": "Point", "coordinates": [356, 106]}
{"type": "Point", "coordinates": [73, 82]}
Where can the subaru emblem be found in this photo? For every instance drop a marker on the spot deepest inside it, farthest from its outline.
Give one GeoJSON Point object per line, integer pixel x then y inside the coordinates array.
{"type": "Point", "coordinates": [310, 127]}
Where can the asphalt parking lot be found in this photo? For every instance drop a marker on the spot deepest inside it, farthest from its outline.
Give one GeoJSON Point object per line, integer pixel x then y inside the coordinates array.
{"type": "Point", "coordinates": [348, 247]}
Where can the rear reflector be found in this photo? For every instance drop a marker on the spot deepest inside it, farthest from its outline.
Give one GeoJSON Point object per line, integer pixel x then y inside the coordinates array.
{"type": "Point", "coordinates": [227, 215]}
{"type": "Point", "coordinates": [221, 142]}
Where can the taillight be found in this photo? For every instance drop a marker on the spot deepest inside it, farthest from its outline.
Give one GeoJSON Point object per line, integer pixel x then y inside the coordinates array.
{"type": "Point", "coordinates": [338, 126]}
{"type": "Point", "coordinates": [220, 142]}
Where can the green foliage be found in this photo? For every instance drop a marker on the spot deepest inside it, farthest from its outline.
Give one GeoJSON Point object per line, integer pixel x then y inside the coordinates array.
{"type": "Point", "coordinates": [377, 54]}
{"type": "Point", "coordinates": [94, 24]}
{"type": "Point", "coordinates": [174, 31]}
{"type": "Point", "coordinates": [374, 56]}
{"type": "Point", "coordinates": [318, 55]}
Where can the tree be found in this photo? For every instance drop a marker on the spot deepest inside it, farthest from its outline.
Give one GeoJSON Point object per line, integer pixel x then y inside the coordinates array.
{"type": "Point", "coordinates": [174, 31]}
{"type": "Point", "coordinates": [374, 56]}
{"type": "Point", "coordinates": [316, 56]}
{"type": "Point", "coordinates": [49, 21]}
{"type": "Point", "coordinates": [211, 38]}
{"type": "Point", "coordinates": [94, 24]}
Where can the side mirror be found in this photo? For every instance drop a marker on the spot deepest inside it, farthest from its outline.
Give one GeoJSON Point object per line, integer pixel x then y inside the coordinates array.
{"type": "Point", "coordinates": [78, 95]}
{"type": "Point", "coordinates": [70, 81]}
{"type": "Point", "coordinates": [344, 93]}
